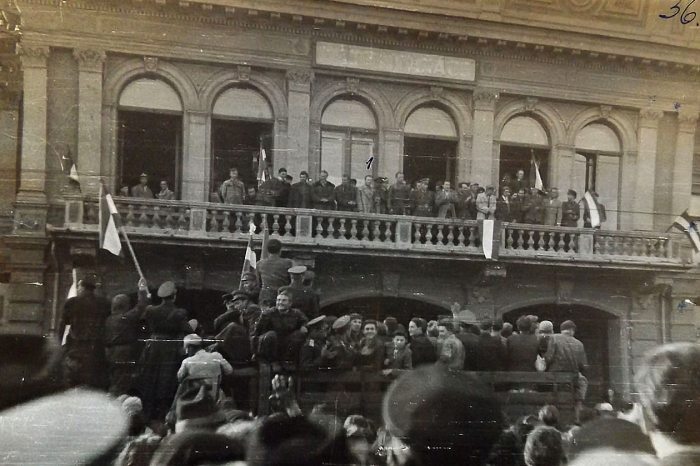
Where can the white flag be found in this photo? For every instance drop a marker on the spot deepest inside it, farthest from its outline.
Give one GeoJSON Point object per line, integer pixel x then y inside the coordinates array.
{"type": "Point", "coordinates": [592, 209]}
{"type": "Point", "coordinates": [487, 238]}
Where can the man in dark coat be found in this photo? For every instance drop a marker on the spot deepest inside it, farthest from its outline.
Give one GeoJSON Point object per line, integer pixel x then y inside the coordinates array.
{"type": "Point", "coordinates": [323, 193]}
{"type": "Point", "coordinates": [122, 332]}
{"type": "Point", "coordinates": [162, 355]}
{"type": "Point", "coordinates": [346, 195]}
{"type": "Point", "coordinates": [463, 193]}
{"type": "Point", "coordinates": [301, 193]}
{"type": "Point", "coordinates": [534, 208]}
{"type": "Point", "coordinates": [272, 273]}
{"type": "Point", "coordinates": [280, 331]}
{"type": "Point", "coordinates": [490, 352]}
{"type": "Point", "coordinates": [522, 348]}
{"type": "Point", "coordinates": [234, 328]}
{"type": "Point", "coordinates": [303, 298]}
{"type": "Point", "coordinates": [422, 200]}
{"type": "Point", "coordinates": [84, 316]}
{"type": "Point", "coordinates": [310, 356]}
{"type": "Point", "coordinates": [503, 211]}
{"type": "Point", "coordinates": [423, 350]}
{"type": "Point", "coordinates": [570, 210]}
{"type": "Point", "coordinates": [399, 197]}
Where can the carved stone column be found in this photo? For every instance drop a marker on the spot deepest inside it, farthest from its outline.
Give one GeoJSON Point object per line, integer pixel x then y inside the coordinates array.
{"type": "Point", "coordinates": [647, 136]}
{"type": "Point", "coordinates": [297, 158]}
{"type": "Point", "coordinates": [90, 65]}
{"type": "Point", "coordinates": [482, 166]}
{"type": "Point", "coordinates": [683, 160]}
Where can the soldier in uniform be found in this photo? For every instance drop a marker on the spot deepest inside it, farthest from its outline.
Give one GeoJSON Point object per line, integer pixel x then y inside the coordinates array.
{"type": "Point", "coordinates": [323, 193]}
{"type": "Point", "coordinates": [422, 200]}
{"type": "Point", "coordinates": [310, 356]}
{"type": "Point", "coordinates": [300, 194]}
{"type": "Point", "coordinates": [570, 210]}
{"type": "Point", "coordinates": [232, 191]}
{"type": "Point", "coordinates": [303, 298]}
{"type": "Point", "coordinates": [234, 328]}
{"type": "Point", "coordinates": [346, 195]}
{"type": "Point", "coordinates": [84, 316]}
{"type": "Point", "coordinates": [280, 331]}
{"type": "Point", "coordinates": [162, 355]}
{"type": "Point", "coordinates": [251, 286]}
{"type": "Point", "coordinates": [399, 197]}
{"type": "Point", "coordinates": [272, 273]}
{"type": "Point", "coordinates": [142, 190]}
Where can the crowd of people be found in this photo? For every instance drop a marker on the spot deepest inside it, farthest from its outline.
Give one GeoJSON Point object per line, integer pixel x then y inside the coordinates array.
{"type": "Point", "coordinates": [516, 201]}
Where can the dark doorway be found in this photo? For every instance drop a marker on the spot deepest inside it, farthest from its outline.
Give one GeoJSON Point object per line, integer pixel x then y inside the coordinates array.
{"type": "Point", "coordinates": [237, 143]}
{"type": "Point", "coordinates": [150, 143]}
{"type": "Point", "coordinates": [379, 308]}
{"type": "Point", "coordinates": [593, 329]}
{"type": "Point", "coordinates": [431, 158]}
{"type": "Point", "coordinates": [514, 158]}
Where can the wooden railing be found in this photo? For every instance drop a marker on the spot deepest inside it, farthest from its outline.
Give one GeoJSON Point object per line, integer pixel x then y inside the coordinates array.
{"type": "Point", "coordinates": [378, 232]}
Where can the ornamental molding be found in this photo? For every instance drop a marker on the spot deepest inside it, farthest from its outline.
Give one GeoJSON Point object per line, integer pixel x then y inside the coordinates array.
{"type": "Point", "coordinates": [243, 72]}
{"type": "Point", "coordinates": [33, 56]}
{"type": "Point", "coordinates": [89, 59]}
{"type": "Point", "coordinates": [605, 111]}
{"type": "Point", "coordinates": [687, 121]}
{"type": "Point", "coordinates": [530, 103]}
{"type": "Point", "coordinates": [150, 64]}
{"type": "Point", "coordinates": [485, 98]}
{"type": "Point", "coordinates": [351, 85]}
{"type": "Point", "coordinates": [300, 76]}
{"type": "Point", "coordinates": [437, 92]}
{"type": "Point", "coordinates": [650, 115]}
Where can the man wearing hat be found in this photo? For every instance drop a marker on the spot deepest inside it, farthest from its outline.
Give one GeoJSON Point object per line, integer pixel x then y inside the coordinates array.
{"type": "Point", "coordinates": [310, 354]}
{"type": "Point", "coordinates": [84, 316]}
{"type": "Point", "coordinates": [142, 190]}
{"type": "Point", "coordinates": [280, 331]}
{"type": "Point", "coordinates": [235, 327]}
{"type": "Point", "coordinates": [250, 285]}
{"type": "Point", "coordinates": [162, 355]}
{"type": "Point", "coordinates": [422, 200]}
{"type": "Point", "coordinates": [567, 354]}
{"type": "Point", "coordinates": [303, 298]}
{"type": "Point", "coordinates": [570, 210]}
{"type": "Point", "coordinates": [339, 352]}
{"type": "Point", "coordinates": [272, 273]}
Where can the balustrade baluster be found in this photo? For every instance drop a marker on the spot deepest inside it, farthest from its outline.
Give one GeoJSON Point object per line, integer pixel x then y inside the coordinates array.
{"type": "Point", "coordinates": [663, 247]}
{"type": "Point", "coordinates": [143, 217]}
{"type": "Point", "coordinates": [330, 228]}
{"type": "Point", "coordinates": [560, 242]}
{"type": "Point", "coordinates": [214, 222]}
{"type": "Point", "coordinates": [341, 229]}
{"type": "Point", "coordinates": [319, 226]}
{"type": "Point", "coordinates": [226, 222]}
{"type": "Point", "coordinates": [375, 232]}
{"type": "Point", "coordinates": [531, 240]}
{"type": "Point", "coordinates": [275, 225]}
{"type": "Point", "coordinates": [509, 237]}
{"type": "Point", "coordinates": [450, 235]}
{"type": "Point", "coordinates": [353, 229]}
{"type": "Point", "coordinates": [238, 225]}
{"type": "Point", "coordinates": [182, 223]}
{"type": "Point", "coordinates": [169, 222]}
{"type": "Point", "coordinates": [417, 235]}
{"type": "Point", "coordinates": [156, 218]}
{"type": "Point", "coordinates": [365, 230]}
{"type": "Point", "coordinates": [472, 236]}
{"type": "Point", "coordinates": [130, 216]}
{"type": "Point", "coordinates": [440, 236]}
{"type": "Point", "coordinates": [550, 241]}
{"type": "Point", "coordinates": [460, 236]}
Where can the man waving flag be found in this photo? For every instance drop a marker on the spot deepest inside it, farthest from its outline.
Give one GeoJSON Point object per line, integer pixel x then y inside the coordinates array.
{"type": "Point", "coordinates": [109, 221]}
{"type": "Point", "coordinates": [686, 223]}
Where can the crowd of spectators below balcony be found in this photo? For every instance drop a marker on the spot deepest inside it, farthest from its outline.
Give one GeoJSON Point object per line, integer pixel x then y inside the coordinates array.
{"type": "Point", "coordinates": [516, 201]}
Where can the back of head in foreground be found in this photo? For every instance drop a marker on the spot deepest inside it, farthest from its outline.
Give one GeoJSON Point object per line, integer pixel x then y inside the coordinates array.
{"type": "Point", "coordinates": [443, 416]}
{"type": "Point", "coordinates": [668, 383]}
{"type": "Point", "coordinates": [544, 447]}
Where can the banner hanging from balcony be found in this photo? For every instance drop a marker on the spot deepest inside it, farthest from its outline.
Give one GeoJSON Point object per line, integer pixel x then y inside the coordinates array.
{"type": "Point", "coordinates": [686, 223]}
{"type": "Point", "coordinates": [487, 238]}
{"type": "Point", "coordinates": [109, 217]}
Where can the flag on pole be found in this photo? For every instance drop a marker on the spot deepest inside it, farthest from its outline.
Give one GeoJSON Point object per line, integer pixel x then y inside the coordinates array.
{"type": "Point", "coordinates": [262, 165]}
{"type": "Point", "coordinates": [265, 240]}
{"type": "Point", "coordinates": [593, 211]}
{"type": "Point", "coordinates": [72, 293]}
{"type": "Point", "coordinates": [109, 221]}
{"type": "Point", "coordinates": [538, 184]}
{"type": "Point", "coordinates": [686, 223]}
{"type": "Point", "coordinates": [73, 175]}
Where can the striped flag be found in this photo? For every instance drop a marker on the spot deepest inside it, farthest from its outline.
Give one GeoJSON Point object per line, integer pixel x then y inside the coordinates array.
{"type": "Point", "coordinates": [690, 227]}
{"type": "Point", "coordinates": [262, 165]}
{"type": "Point", "coordinates": [72, 293]}
{"type": "Point", "coordinates": [592, 206]}
{"type": "Point", "coordinates": [109, 223]}
{"type": "Point", "coordinates": [538, 184]}
{"type": "Point", "coordinates": [73, 175]}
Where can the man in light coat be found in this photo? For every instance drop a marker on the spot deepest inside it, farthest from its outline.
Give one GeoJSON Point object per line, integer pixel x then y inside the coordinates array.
{"type": "Point", "coordinates": [552, 208]}
{"type": "Point", "coordinates": [486, 204]}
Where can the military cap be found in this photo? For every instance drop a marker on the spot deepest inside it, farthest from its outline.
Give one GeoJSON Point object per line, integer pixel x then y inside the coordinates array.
{"type": "Point", "coordinates": [546, 327]}
{"type": "Point", "coordinates": [143, 175]}
{"type": "Point", "coordinates": [424, 180]}
{"type": "Point", "coordinates": [341, 322]}
{"type": "Point", "coordinates": [315, 321]}
{"type": "Point", "coordinates": [167, 289]}
{"type": "Point", "coordinates": [89, 282]}
{"type": "Point", "coordinates": [297, 269]}
{"type": "Point", "coordinates": [192, 340]}
{"type": "Point", "coordinates": [235, 295]}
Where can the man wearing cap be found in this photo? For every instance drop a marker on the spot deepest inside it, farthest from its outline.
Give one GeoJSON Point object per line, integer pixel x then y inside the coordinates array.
{"type": "Point", "coordinates": [162, 355]}
{"type": "Point", "coordinates": [232, 191]}
{"type": "Point", "coordinates": [399, 196]}
{"type": "Point", "coordinates": [346, 195]}
{"type": "Point", "coordinates": [323, 193]}
{"type": "Point", "coordinates": [235, 327]}
{"type": "Point", "coordinates": [422, 200]}
{"type": "Point", "coordinates": [84, 319]}
{"type": "Point", "coordinates": [280, 331]}
{"type": "Point", "coordinates": [567, 354]}
{"type": "Point", "coordinates": [310, 354]}
{"type": "Point", "coordinates": [142, 190]}
{"type": "Point", "coordinates": [339, 352]}
{"type": "Point", "coordinates": [570, 210]}
{"type": "Point", "coordinates": [202, 367]}
{"type": "Point", "coordinates": [303, 298]}
{"type": "Point", "coordinates": [250, 285]}
{"type": "Point", "coordinates": [272, 273]}
{"type": "Point", "coordinates": [301, 193]}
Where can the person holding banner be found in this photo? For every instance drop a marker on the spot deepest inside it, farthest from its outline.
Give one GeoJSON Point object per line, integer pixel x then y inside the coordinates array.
{"type": "Point", "coordinates": [84, 316]}
{"type": "Point", "coordinates": [593, 211]}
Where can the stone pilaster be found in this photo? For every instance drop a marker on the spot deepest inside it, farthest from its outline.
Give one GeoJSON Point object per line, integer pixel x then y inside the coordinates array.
{"type": "Point", "coordinates": [297, 158]}
{"type": "Point", "coordinates": [390, 157]}
{"type": "Point", "coordinates": [90, 65]}
{"type": "Point", "coordinates": [483, 164]}
{"type": "Point", "coordinates": [647, 136]}
{"type": "Point", "coordinates": [683, 161]}
{"type": "Point", "coordinates": [195, 179]}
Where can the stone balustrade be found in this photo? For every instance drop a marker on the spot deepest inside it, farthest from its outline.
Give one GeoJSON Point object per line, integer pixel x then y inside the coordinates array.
{"type": "Point", "coordinates": [381, 233]}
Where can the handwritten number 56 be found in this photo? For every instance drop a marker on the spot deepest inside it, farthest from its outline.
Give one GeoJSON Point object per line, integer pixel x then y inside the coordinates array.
{"type": "Point", "coordinates": [686, 16]}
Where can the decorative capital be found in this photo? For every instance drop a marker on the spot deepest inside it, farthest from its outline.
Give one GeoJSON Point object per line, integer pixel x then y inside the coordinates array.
{"type": "Point", "coordinates": [33, 56]}
{"type": "Point", "coordinates": [687, 121]}
{"type": "Point", "coordinates": [605, 111]}
{"type": "Point", "coordinates": [485, 98]}
{"type": "Point", "coordinates": [650, 116]}
{"type": "Point", "coordinates": [531, 103]}
{"type": "Point", "coordinates": [89, 59]}
{"type": "Point", "coordinates": [300, 76]}
{"type": "Point", "coordinates": [150, 64]}
{"type": "Point", "coordinates": [352, 84]}
{"type": "Point", "coordinates": [244, 73]}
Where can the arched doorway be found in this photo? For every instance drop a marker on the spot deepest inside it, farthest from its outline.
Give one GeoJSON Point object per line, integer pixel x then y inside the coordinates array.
{"type": "Point", "coordinates": [379, 308]}
{"type": "Point", "coordinates": [599, 331]}
{"type": "Point", "coordinates": [524, 146]}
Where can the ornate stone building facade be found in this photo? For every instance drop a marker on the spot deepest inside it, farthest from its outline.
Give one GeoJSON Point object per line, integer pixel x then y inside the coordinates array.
{"type": "Point", "coordinates": [602, 94]}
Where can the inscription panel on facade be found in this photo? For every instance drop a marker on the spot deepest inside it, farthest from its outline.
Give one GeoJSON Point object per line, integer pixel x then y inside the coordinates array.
{"type": "Point", "coordinates": [395, 61]}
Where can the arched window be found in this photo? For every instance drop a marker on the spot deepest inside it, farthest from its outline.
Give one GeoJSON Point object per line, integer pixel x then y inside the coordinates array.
{"type": "Point", "coordinates": [430, 145]}
{"type": "Point", "coordinates": [241, 127]}
{"type": "Point", "coordinates": [597, 167]}
{"type": "Point", "coordinates": [348, 139]}
{"type": "Point", "coordinates": [524, 151]}
{"type": "Point", "coordinates": [150, 134]}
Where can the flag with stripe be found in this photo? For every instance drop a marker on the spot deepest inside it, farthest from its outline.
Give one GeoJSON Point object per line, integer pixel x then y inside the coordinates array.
{"type": "Point", "coordinates": [537, 182]}
{"type": "Point", "coordinates": [109, 223]}
{"type": "Point", "coordinates": [72, 293]}
{"type": "Point", "coordinates": [262, 166]}
{"type": "Point", "coordinates": [251, 259]}
{"type": "Point", "coordinates": [592, 206]}
{"type": "Point", "coordinates": [690, 227]}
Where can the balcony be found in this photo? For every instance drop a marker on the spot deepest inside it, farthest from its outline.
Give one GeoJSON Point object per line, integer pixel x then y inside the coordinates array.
{"type": "Point", "coordinates": [223, 225]}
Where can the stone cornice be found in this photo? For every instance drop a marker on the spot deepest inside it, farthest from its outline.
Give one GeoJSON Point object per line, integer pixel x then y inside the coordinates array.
{"type": "Point", "coordinates": [674, 62]}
